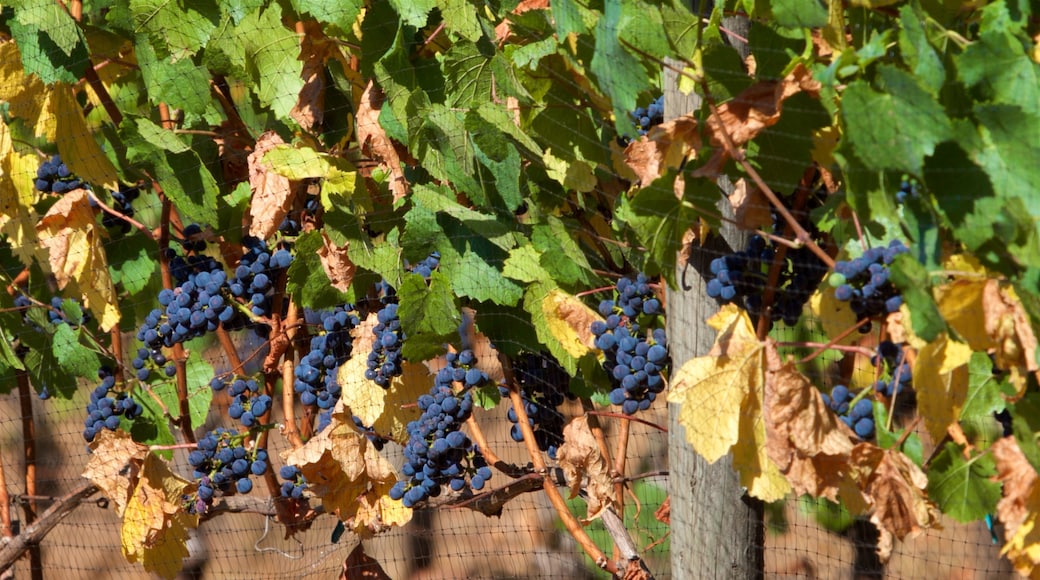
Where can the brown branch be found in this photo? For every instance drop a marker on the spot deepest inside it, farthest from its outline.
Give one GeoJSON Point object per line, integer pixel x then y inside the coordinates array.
{"type": "Point", "coordinates": [492, 458]}
{"type": "Point", "coordinates": [490, 503]}
{"type": "Point", "coordinates": [634, 419]}
{"type": "Point", "coordinates": [29, 452]}
{"type": "Point", "coordinates": [32, 535]}
{"type": "Point", "coordinates": [619, 486]}
{"type": "Point", "coordinates": [555, 498]}
{"type": "Point", "coordinates": [179, 358]}
{"type": "Point", "coordinates": [5, 501]}
{"type": "Point", "coordinates": [136, 224]}
{"type": "Point", "coordinates": [290, 431]}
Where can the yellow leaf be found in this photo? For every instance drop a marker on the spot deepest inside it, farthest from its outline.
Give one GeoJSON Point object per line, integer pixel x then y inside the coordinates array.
{"type": "Point", "coordinates": [569, 320]}
{"type": "Point", "coordinates": [711, 389]}
{"type": "Point", "coordinates": [77, 257]}
{"type": "Point", "coordinates": [26, 96]}
{"type": "Point", "coordinates": [758, 473]}
{"type": "Point", "coordinates": [17, 194]}
{"type": "Point", "coordinates": [834, 315]}
{"type": "Point", "coordinates": [79, 150]}
{"type": "Point", "coordinates": [940, 378]}
{"type": "Point", "coordinates": [960, 303]}
{"type": "Point", "coordinates": [1019, 508]}
{"type": "Point", "coordinates": [386, 411]}
{"type": "Point", "coordinates": [155, 523]}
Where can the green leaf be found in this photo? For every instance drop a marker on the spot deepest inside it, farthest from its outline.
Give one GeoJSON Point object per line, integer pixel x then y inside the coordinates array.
{"type": "Point", "coordinates": [472, 276]}
{"type": "Point", "coordinates": [1025, 424]}
{"type": "Point", "coordinates": [131, 263]}
{"type": "Point", "coordinates": [414, 12]}
{"type": "Point", "coordinates": [887, 439]}
{"type": "Point", "coordinates": [73, 311]}
{"type": "Point", "coordinates": [164, 139]}
{"type": "Point", "coordinates": [461, 17]}
{"type": "Point", "coordinates": [342, 13]}
{"type": "Point", "coordinates": [175, 84]}
{"type": "Point", "coordinates": [799, 13]}
{"type": "Point", "coordinates": [641, 25]}
{"type": "Point", "coordinates": [176, 28]}
{"type": "Point", "coordinates": [7, 356]}
{"type": "Point", "coordinates": [306, 278]}
{"type": "Point", "coordinates": [922, 59]}
{"type": "Point", "coordinates": [621, 76]}
{"type": "Point", "coordinates": [524, 265]}
{"type": "Point", "coordinates": [272, 59]}
{"type": "Point", "coordinates": [429, 316]}
{"type": "Point", "coordinates": [785, 149]}
{"type": "Point", "coordinates": [912, 280]}
{"type": "Point", "coordinates": [73, 357]}
{"type": "Point", "coordinates": [894, 129]}
{"type": "Point", "coordinates": [998, 65]}
{"type": "Point", "coordinates": [561, 255]}
{"type": "Point", "coordinates": [963, 489]}
{"type": "Point", "coordinates": [40, 51]}
{"type": "Point", "coordinates": [1010, 138]}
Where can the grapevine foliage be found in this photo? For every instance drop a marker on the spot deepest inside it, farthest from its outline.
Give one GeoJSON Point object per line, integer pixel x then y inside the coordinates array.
{"type": "Point", "coordinates": [430, 183]}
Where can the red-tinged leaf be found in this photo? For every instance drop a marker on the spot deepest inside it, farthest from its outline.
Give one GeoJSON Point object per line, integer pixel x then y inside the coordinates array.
{"type": "Point", "coordinates": [336, 262]}
{"type": "Point", "coordinates": [375, 142]}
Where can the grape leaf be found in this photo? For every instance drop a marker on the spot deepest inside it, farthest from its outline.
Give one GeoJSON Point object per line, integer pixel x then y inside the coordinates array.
{"type": "Point", "coordinates": [963, 488]}
{"type": "Point", "coordinates": [175, 28]}
{"type": "Point", "coordinates": [998, 65]}
{"type": "Point", "coordinates": [52, 46]}
{"type": "Point", "coordinates": [429, 316]}
{"type": "Point", "coordinates": [155, 525]}
{"type": "Point", "coordinates": [75, 358]}
{"type": "Point", "coordinates": [940, 378]}
{"type": "Point", "coordinates": [174, 82]}
{"type": "Point", "coordinates": [1019, 509]}
{"type": "Point", "coordinates": [621, 76]}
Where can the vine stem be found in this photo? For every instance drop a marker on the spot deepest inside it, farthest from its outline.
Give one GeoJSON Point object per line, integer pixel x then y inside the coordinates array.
{"type": "Point", "coordinates": [620, 456]}
{"type": "Point", "coordinates": [821, 347]}
{"type": "Point", "coordinates": [31, 536]}
{"type": "Point", "coordinates": [136, 224]}
{"type": "Point", "coordinates": [179, 358]}
{"type": "Point", "coordinates": [5, 501]}
{"type": "Point", "coordinates": [801, 235]}
{"type": "Point", "coordinates": [555, 497]}
{"type": "Point", "coordinates": [29, 453]}
{"type": "Point", "coordinates": [633, 419]}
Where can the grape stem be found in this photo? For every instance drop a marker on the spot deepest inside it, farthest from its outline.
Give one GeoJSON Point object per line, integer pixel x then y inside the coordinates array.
{"type": "Point", "coordinates": [492, 458]}
{"type": "Point", "coordinates": [821, 347]}
{"type": "Point", "coordinates": [555, 498]}
{"type": "Point", "coordinates": [619, 486]}
{"type": "Point", "coordinates": [622, 416]}
{"type": "Point", "coordinates": [31, 536]}
{"type": "Point", "coordinates": [136, 224]}
{"type": "Point", "coordinates": [290, 431]}
{"type": "Point", "coordinates": [5, 502]}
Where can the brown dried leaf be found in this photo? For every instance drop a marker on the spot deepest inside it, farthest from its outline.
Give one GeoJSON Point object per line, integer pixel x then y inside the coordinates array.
{"type": "Point", "coordinates": [895, 488]}
{"type": "Point", "coordinates": [1008, 324]}
{"type": "Point", "coordinates": [584, 467]}
{"type": "Point", "coordinates": [272, 193]}
{"type": "Point", "coordinates": [804, 438]}
{"type": "Point", "coordinates": [375, 142]}
{"type": "Point", "coordinates": [664, 513]}
{"type": "Point", "coordinates": [665, 147]}
{"type": "Point", "coordinates": [361, 566]}
{"type": "Point", "coordinates": [352, 479]}
{"type": "Point", "coordinates": [750, 206]}
{"type": "Point", "coordinates": [569, 320]}
{"type": "Point", "coordinates": [504, 30]}
{"type": "Point", "coordinates": [113, 466]}
{"type": "Point", "coordinates": [315, 47]}
{"type": "Point", "coordinates": [755, 109]}
{"type": "Point", "coordinates": [335, 260]}
{"type": "Point", "coordinates": [1018, 510]}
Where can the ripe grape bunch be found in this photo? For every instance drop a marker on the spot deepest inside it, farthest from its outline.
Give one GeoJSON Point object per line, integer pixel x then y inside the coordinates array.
{"type": "Point", "coordinates": [53, 176]}
{"type": "Point", "coordinates": [744, 275]}
{"type": "Point", "coordinates": [124, 199]}
{"type": "Point", "coordinates": [426, 267]}
{"type": "Point", "coordinates": [649, 116]}
{"type": "Point", "coordinates": [864, 282]}
{"type": "Point", "coordinates": [859, 416]}
{"type": "Point", "coordinates": [892, 356]}
{"type": "Point", "coordinates": [543, 387]}
{"type": "Point", "coordinates": [220, 460]}
{"type": "Point", "coordinates": [438, 453]}
{"type": "Point", "coordinates": [295, 483]}
{"type": "Point", "coordinates": [384, 362]}
{"type": "Point", "coordinates": [256, 274]}
{"type": "Point", "coordinates": [103, 411]}
{"type": "Point", "coordinates": [247, 404]}
{"type": "Point", "coordinates": [316, 374]}
{"type": "Point", "coordinates": [635, 359]}
{"type": "Point", "coordinates": [196, 306]}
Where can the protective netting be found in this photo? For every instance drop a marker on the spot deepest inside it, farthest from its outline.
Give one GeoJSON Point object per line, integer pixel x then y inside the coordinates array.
{"type": "Point", "coordinates": [202, 153]}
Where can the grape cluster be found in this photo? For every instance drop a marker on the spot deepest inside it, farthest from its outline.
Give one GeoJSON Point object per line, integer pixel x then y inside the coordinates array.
{"type": "Point", "coordinates": [907, 189]}
{"type": "Point", "coordinates": [864, 282]}
{"type": "Point", "coordinates": [438, 453]}
{"type": "Point", "coordinates": [374, 438]}
{"type": "Point", "coordinates": [744, 275]}
{"type": "Point", "coordinates": [54, 176]}
{"type": "Point", "coordinates": [543, 387]}
{"type": "Point", "coordinates": [384, 362]}
{"type": "Point", "coordinates": [295, 484]}
{"type": "Point", "coordinates": [196, 306]}
{"type": "Point", "coordinates": [649, 116]}
{"type": "Point", "coordinates": [859, 416]}
{"type": "Point", "coordinates": [316, 374]}
{"type": "Point", "coordinates": [290, 225]}
{"type": "Point", "coordinates": [633, 358]}
{"type": "Point", "coordinates": [256, 274]}
{"type": "Point", "coordinates": [103, 411]}
{"type": "Point", "coordinates": [123, 203]}
{"type": "Point", "coordinates": [426, 267]}
{"type": "Point", "coordinates": [247, 405]}
{"type": "Point", "coordinates": [220, 460]}
{"type": "Point", "coordinates": [898, 369]}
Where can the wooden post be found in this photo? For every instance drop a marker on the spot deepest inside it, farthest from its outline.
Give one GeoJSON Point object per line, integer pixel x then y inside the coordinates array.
{"type": "Point", "coordinates": [717, 529]}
